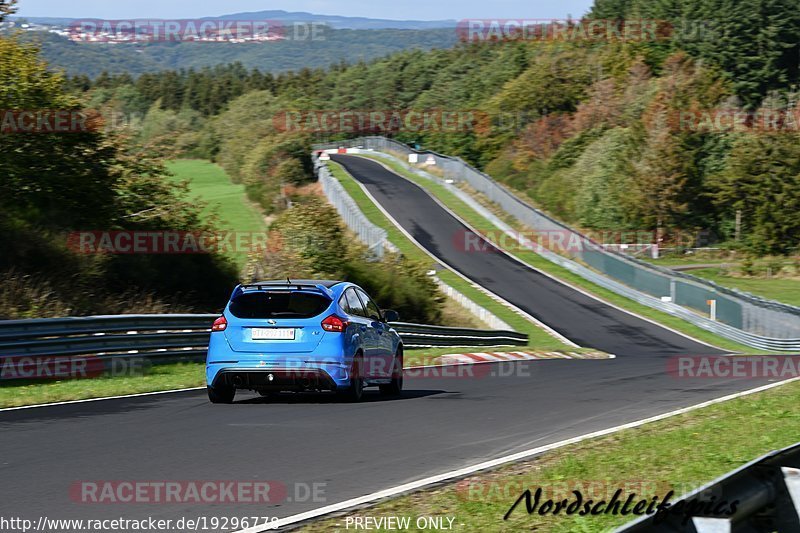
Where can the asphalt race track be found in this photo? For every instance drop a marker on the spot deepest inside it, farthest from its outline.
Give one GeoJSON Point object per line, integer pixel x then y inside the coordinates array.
{"type": "Point", "coordinates": [582, 319]}
{"type": "Point", "coordinates": [440, 424]}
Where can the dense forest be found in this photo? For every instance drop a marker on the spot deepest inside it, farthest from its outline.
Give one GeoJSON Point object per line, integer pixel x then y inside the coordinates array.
{"type": "Point", "coordinates": [591, 131]}
{"type": "Point", "coordinates": [586, 129]}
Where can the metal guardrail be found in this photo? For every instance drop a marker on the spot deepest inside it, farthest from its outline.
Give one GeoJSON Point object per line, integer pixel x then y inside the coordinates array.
{"type": "Point", "coordinates": [719, 328]}
{"type": "Point", "coordinates": [373, 236]}
{"type": "Point", "coordinates": [766, 492]}
{"type": "Point", "coordinates": [170, 337]}
{"type": "Point", "coordinates": [417, 335]}
{"type": "Point", "coordinates": [742, 317]}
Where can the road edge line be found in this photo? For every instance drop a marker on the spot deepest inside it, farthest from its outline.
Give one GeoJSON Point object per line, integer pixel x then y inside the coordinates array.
{"type": "Point", "coordinates": [87, 400]}
{"type": "Point", "coordinates": [460, 473]}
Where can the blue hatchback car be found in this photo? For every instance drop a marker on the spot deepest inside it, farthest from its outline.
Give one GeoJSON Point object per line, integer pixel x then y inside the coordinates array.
{"type": "Point", "coordinates": [303, 336]}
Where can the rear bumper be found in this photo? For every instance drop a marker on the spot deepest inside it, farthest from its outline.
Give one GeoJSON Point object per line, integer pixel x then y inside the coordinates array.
{"type": "Point", "coordinates": [326, 376]}
{"type": "Point", "coordinates": [275, 379]}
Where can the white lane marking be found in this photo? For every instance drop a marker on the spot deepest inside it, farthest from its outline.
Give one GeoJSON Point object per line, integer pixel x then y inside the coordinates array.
{"type": "Point", "coordinates": [87, 400]}
{"type": "Point", "coordinates": [453, 474]}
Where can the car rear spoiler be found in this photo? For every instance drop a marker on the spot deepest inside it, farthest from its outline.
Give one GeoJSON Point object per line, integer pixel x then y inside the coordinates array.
{"type": "Point", "coordinates": [277, 285]}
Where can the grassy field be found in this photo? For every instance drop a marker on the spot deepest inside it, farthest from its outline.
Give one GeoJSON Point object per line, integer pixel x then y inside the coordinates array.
{"type": "Point", "coordinates": [786, 290]}
{"type": "Point", "coordinates": [539, 339]}
{"type": "Point", "coordinates": [225, 200]}
{"type": "Point", "coordinates": [679, 453]}
{"type": "Point", "coordinates": [479, 222]}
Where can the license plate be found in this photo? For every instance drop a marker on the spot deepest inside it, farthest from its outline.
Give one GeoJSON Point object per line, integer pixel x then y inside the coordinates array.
{"type": "Point", "coordinates": [273, 334]}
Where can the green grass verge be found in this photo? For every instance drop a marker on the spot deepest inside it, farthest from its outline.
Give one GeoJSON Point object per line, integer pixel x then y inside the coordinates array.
{"type": "Point", "coordinates": [539, 339]}
{"type": "Point", "coordinates": [681, 260]}
{"type": "Point", "coordinates": [223, 198]}
{"type": "Point", "coordinates": [479, 222]}
{"type": "Point", "coordinates": [784, 290]}
{"type": "Point", "coordinates": [155, 378]}
{"type": "Point", "coordinates": [679, 453]}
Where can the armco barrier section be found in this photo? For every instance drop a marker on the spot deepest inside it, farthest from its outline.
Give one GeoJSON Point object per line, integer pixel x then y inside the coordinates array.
{"type": "Point", "coordinates": [164, 338]}
{"type": "Point", "coordinates": [766, 492]}
{"type": "Point", "coordinates": [751, 320]}
{"type": "Point", "coordinates": [374, 237]}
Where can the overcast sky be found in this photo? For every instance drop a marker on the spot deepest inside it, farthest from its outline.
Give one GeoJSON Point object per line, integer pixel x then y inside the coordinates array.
{"type": "Point", "coordinates": [389, 9]}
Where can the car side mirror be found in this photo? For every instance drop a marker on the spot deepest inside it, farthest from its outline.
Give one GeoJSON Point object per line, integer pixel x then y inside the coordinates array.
{"type": "Point", "coordinates": [391, 316]}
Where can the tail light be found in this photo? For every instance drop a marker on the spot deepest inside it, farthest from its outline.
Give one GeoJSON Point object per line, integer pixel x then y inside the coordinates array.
{"type": "Point", "coordinates": [219, 324]}
{"type": "Point", "coordinates": [335, 324]}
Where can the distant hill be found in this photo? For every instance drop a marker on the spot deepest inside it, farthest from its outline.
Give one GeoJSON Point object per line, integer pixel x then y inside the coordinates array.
{"type": "Point", "coordinates": [339, 45]}
{"type": "Point", "coordinates": [340, 22]}
{"type": "Point", "coordinates": [335, 21]}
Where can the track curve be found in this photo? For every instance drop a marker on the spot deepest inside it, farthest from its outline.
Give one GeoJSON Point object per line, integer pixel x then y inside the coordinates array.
{"type": "Point", "coordinates": [582, 319]}
{"type": "Point", "coordinates": [440, 424]}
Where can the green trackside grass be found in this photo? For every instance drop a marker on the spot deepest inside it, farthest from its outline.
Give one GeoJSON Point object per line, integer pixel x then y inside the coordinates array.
{"type": "Point", "coordinates": [539, 339]}
{"type": "Point", "coordinates": [786, 290]}
{"type": "Point", "coordinates": [156, 378]}
{"type": "Point", "coordinates": [679, 453]}
{"type": "Point", "coordinates": [479, 222]}
{"type": "Point", "coordinates": [225, 199]}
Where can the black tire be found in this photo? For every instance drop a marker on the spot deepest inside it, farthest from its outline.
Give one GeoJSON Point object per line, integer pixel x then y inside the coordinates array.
{"type": "Point", "coordinates": [395, 388]}
{"type": "Point", "coordinates": [355, 392]}
{"type": "Point", "coordinates": [221, 394]}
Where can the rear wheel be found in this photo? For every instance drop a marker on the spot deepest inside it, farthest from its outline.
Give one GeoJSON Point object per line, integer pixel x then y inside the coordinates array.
{"type": "Point", "coordinates": [356, 390]}
{"type": "Point", "coordinates": [395, 388]}
{"type": "Point", "coordinates": [221, 394]}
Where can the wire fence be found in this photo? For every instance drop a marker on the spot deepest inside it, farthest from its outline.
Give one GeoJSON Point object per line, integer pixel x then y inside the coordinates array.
{"type": "Point", "coordinates": [752, 317]}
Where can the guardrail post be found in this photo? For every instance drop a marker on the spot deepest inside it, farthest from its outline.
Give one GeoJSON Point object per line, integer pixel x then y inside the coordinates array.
{"type": "Point", "coordinates": [713, 310]}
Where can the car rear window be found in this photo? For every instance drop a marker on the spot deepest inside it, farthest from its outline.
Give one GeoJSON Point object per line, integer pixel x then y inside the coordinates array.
{"type": "Point", "coordinates": [282, 304]}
